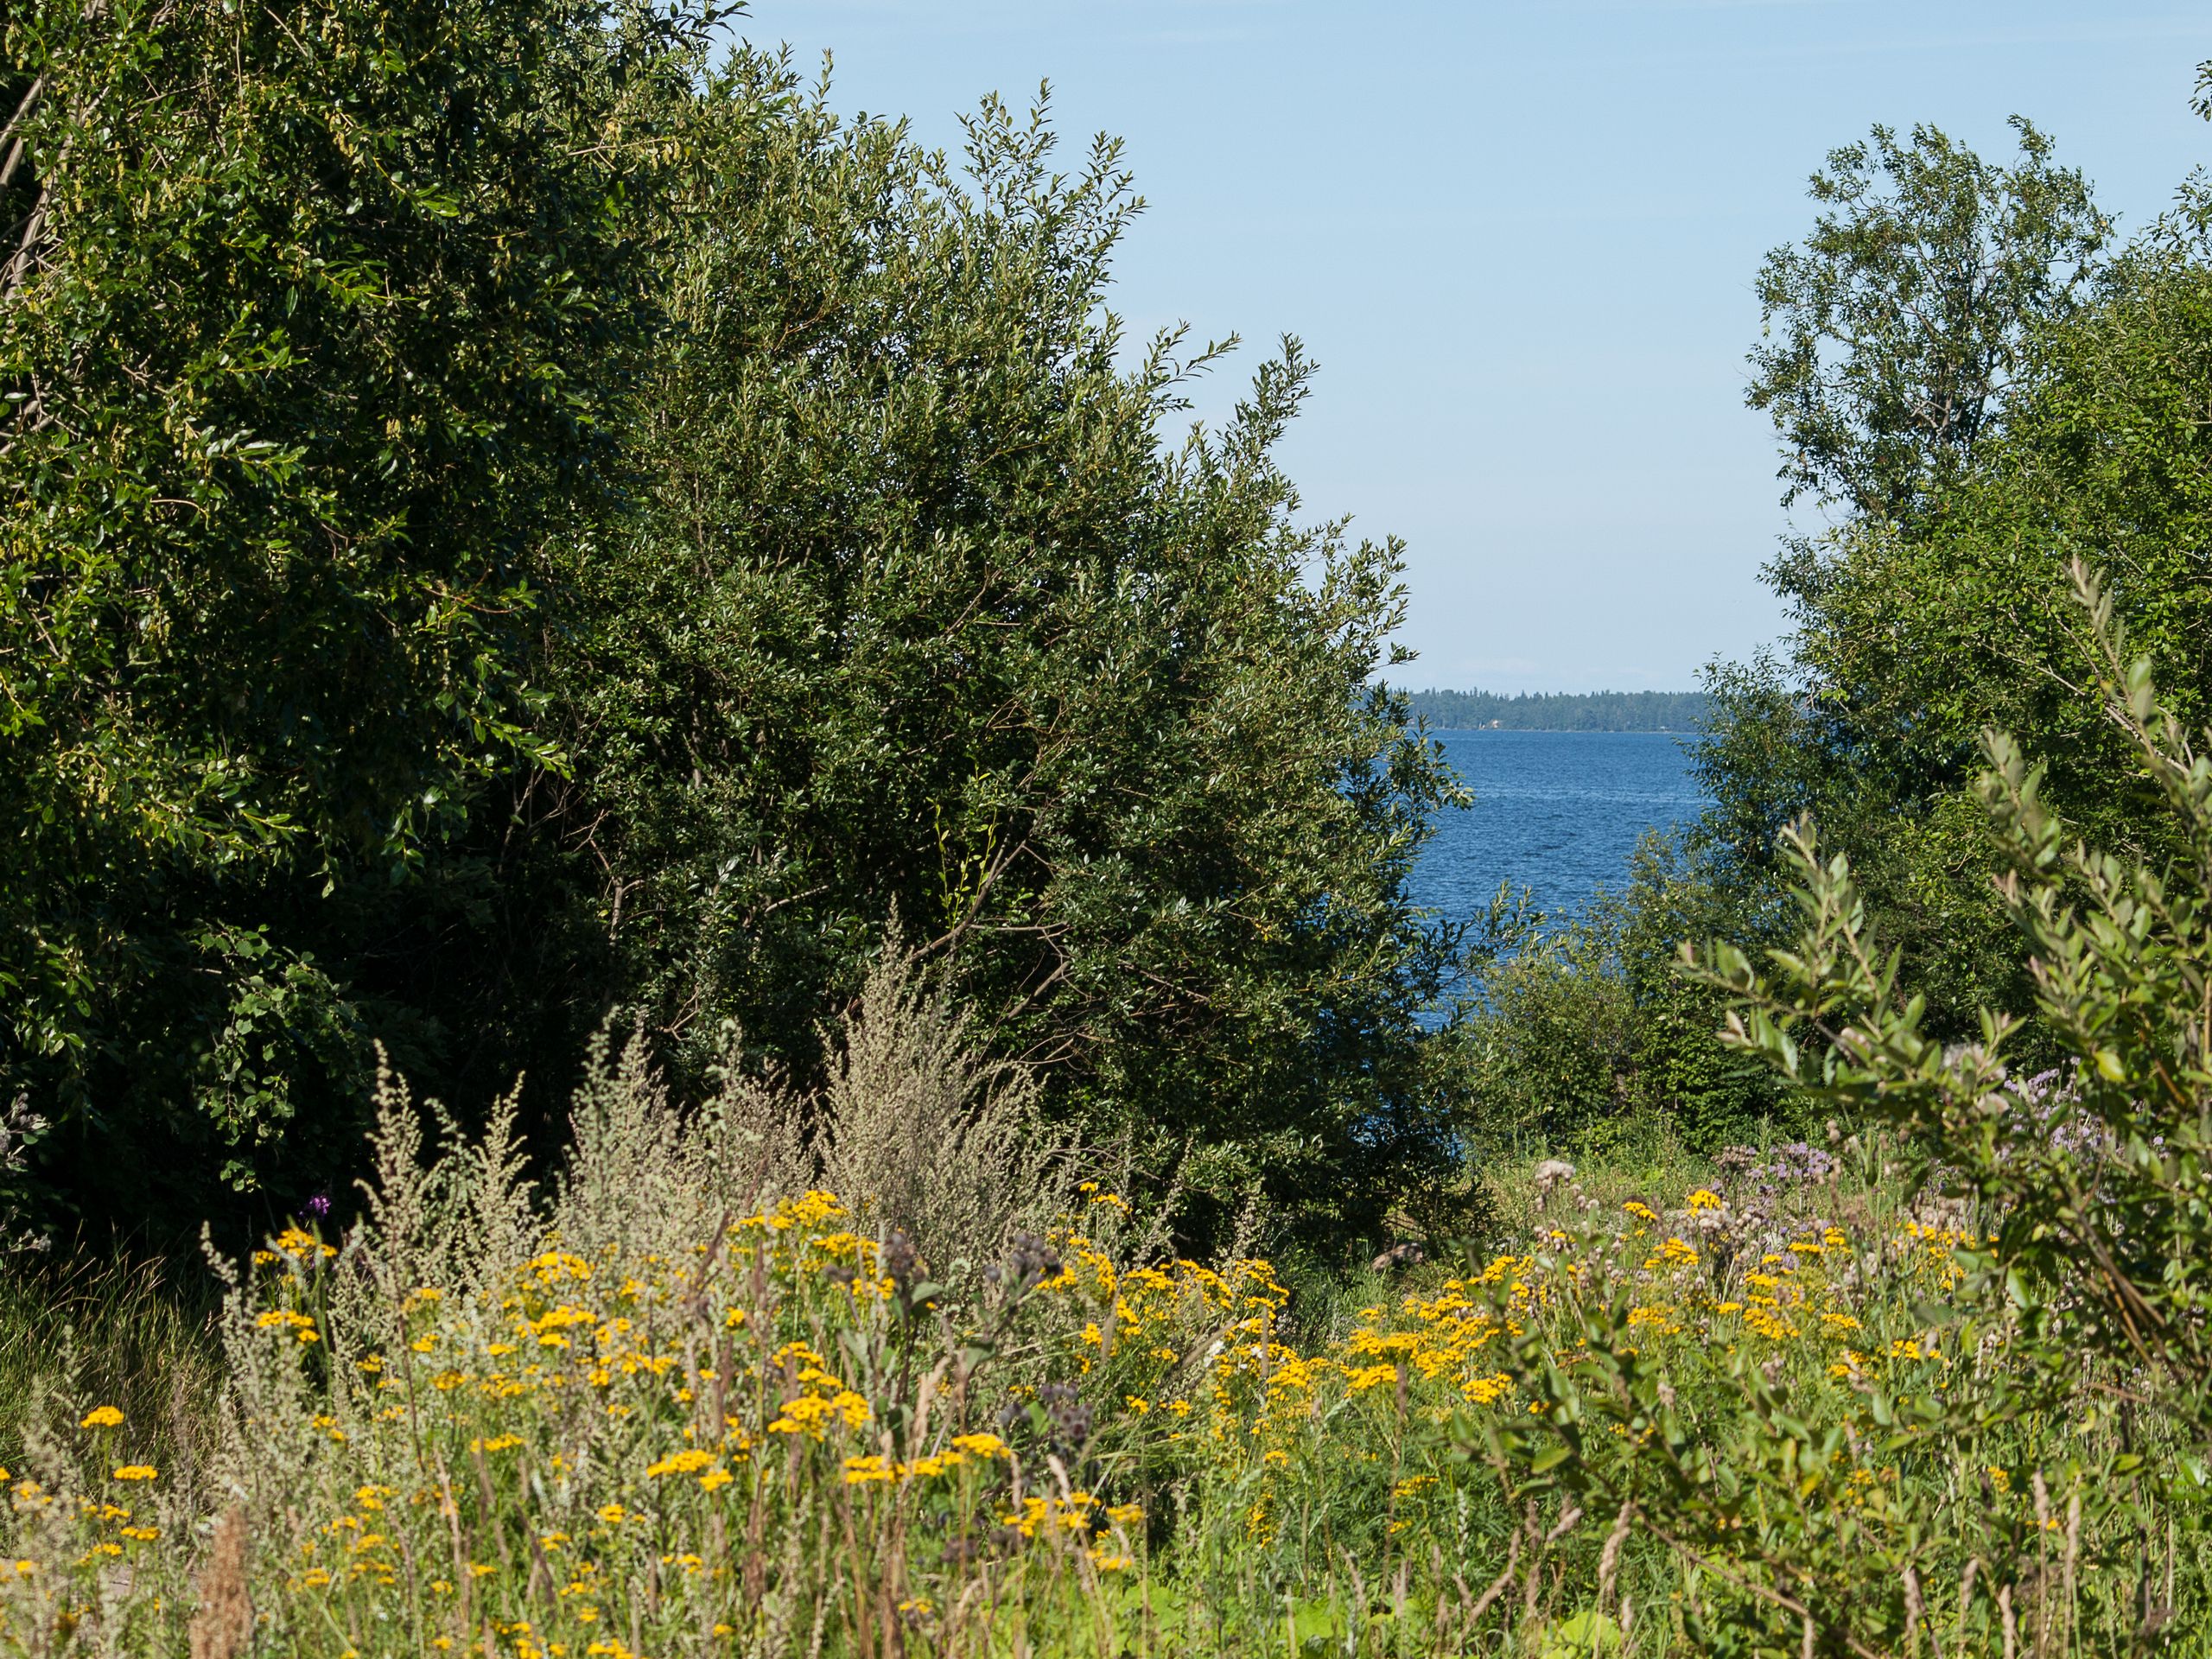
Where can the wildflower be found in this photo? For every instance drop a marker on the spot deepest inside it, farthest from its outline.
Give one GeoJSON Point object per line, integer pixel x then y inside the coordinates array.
{"type": "Point", "coordinates": [297, 1244]}
{"type": "Point", "coordinates": [613, 1513]}
{"type": "Point", "coordinates": [102, 1417]}
{"type": "Point", "coordinates": [1489, 1390]}
{"type": "Point", "coordinates": [1704, 1198]}
{"type": "Point", "coordinates": [861, 1471]}
{"type": "Point", "coordinates": [1125, 1515]}
{"type": "Point", "coordinates": [981, 1446]}
{"type": "Point", "coordinates": [715, 1479]}
{"type": "Point", "coordinates": [687, 1462]}
{"type": "Point", "coordinates": [136, 1471]}
{"type": "Point", "coordinates": [1641, 1211]}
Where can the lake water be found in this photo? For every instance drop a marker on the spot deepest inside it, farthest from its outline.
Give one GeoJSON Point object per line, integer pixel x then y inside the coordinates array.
{"type": "Point", "coordinates": [1559, 813]}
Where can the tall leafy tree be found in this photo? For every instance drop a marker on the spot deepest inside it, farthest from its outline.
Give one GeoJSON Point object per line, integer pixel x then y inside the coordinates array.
{"type": "Point", "coordinates": [931, 622]}
{"type": "Point", "coordinates": [312, 315]}
{"type": "Point", "coordinates": [1942, 606]}
{"type": "Point", "coordinates": [1892, 335]}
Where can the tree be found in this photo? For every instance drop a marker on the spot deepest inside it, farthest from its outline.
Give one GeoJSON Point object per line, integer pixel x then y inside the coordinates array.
{"type": "Point", "coordinates": [1909, 341]}
{"type": "Point", "coordinates": [312, 318]}
{"type": "Point", "coordinates": [927, 624]}
{"type": "Point", "coordinates": [1893, 336]}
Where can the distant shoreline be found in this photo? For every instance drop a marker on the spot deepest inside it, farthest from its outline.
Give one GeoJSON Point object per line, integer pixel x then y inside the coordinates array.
{"type": "Point", "coordinates": [1577, 731]}
{"type": "Point", "coordinates": [1673, 713]}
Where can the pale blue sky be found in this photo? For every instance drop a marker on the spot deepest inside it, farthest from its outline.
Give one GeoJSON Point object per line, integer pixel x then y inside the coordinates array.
{"type": "Point", "coordinates": [1520, 241]}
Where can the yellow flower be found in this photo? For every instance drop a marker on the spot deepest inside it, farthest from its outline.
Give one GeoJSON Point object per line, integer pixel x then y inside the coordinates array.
{"type": "Point", "coordinates": [687, 1462]}
{"type": "Point", "coordinates": [613, 1513]}
{"type": "Point", "coordinates": [285, 1319]}
{"type": "Point", "coordinates": [102, 1417]}
{"type": "Point", "coordinates": [862, 1471]}
{"type": "Point", "coordinates": [1704, 1198]}
{"type": "Point", "coordinates": [715, 1479]}
{"type": "Point", "coordinates": [136, 1471]}
{"type": "Point", "coordinates": [981, 1446]}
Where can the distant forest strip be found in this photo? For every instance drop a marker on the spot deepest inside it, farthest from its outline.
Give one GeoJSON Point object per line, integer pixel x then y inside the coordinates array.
{"type": "Point", "coordinates": [1563, 711]}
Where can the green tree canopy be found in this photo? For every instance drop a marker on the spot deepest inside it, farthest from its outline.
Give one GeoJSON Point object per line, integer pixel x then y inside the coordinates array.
{"type": "Point", "coordinates": [929, 620]}
{"type": "Point", "coordinates": [312, 315]}
{"type": "Point", "coordinates": [1891, 336]}
{"type": "Point", "coordinates": [1942, 607]}
{"type": "Point", "coordinates": [505, 524]}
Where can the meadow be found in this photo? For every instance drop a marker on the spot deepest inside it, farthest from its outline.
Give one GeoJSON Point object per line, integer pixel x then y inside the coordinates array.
{"type": "Point", "coordinates": [688, 1402]}
{"type": "Point", "coordinates": [1050, 1183]}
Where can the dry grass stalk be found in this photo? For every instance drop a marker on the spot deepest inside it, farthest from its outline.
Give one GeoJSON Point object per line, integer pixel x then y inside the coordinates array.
{"type": "Point", "coordinates": [1609, 1559]}
{"type": "Point", "coordinates": [935, 1138]}
{"type": "Point", "coordinates": [222, 1623]}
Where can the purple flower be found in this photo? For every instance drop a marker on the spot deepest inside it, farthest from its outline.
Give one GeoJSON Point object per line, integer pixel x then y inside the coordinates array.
{"type": "Point", "coordinates": [318, 1206]}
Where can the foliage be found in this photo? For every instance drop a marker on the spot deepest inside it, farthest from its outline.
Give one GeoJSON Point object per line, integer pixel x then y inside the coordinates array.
{"type": "Point", "coordinates": [1897, 332]}
{"type": "Point", "coordinates": [2062, 1213]}
{"type": "Point", "coordinates": [2095, 1172]}
{"type": "Point", "coordinates": [671, 1410]}
{"type": "Point", "coordinates": [1964, 373]}
{"type": "Point", "coordinates": [1584, 1028]}
{"type": "Point", "coordinates": [504, 523]}
{"type": "Point", "coordinates": [134, 1332]}
{"type": "Point", "coordinates": [926, 621]}
{"type": "Point", "coordinates": [312, 322]}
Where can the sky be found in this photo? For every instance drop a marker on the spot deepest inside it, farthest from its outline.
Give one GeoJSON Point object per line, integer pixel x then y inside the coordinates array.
{"type": "Point", "coordinates": [1519, 236]}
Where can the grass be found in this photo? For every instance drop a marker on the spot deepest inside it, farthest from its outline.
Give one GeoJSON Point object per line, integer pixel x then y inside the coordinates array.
{"type": "Point", "coordinates": [639, 1419]}
{"type": "Point", "coordinates": [121, 1329]}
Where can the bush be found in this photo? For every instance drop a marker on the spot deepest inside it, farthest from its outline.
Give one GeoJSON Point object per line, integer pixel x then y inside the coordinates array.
{"type": "Point", "coordinates": [2013, 1396]}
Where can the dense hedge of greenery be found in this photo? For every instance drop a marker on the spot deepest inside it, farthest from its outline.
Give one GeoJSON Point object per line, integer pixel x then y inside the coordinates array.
{"type": "Point", "coordinates": [507, 520]}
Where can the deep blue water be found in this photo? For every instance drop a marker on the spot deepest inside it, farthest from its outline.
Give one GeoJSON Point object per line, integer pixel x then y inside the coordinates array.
{"type": "Point", "coordinates": [1559, 813]}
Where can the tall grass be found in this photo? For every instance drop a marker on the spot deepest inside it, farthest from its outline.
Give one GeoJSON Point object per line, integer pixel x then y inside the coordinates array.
{"type": "Point", "coordinates": [134, 1332]}
{"type": "Point", "coordinates": [668, 1409]}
